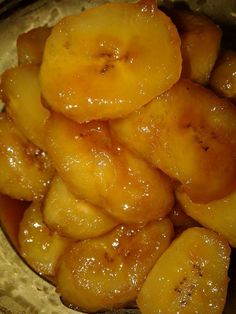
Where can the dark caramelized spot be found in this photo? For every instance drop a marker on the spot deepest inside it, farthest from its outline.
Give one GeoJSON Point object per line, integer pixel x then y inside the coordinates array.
{"type": "Point", "coordinates": [108, 258]}
{"type": "Point", "coordinates": [110, 58]}
{"type": "Point", "coordinates": [106, 68]}
{"type": "Point", "coordinates": [184, 291]}
{"type": "Point", "coordinates": [198, 269]}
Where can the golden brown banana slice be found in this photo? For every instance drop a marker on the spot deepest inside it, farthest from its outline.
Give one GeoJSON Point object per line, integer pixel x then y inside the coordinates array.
{"type": "Point", "coordinates": [105, 174]}
{"type": "Point", "coordinates": [25, 170]}
{"type": "Point", "coordinates": [219, 215]}
{"type": "Point", "coordinates": [40, 247]}
{"type": "Point", "coordinates": [200, 44]}
{"type": "Point", "coordinates": [30, 45]}
{"type": "Point", "coordinates": [23, 96]}
{"type": "Point", "coordinates": [190, 134]}
{"type": "Point", "coordinates": [71, 217]}
{"type": "Point", "coordinates": [118, 56]}
{"type": "Point", "coordinates": [223, 76]}
{"type": "Point", "coordinates": [11, 213]}
{"type": "Point", "coordinates": [107, 272]}
{"type": "Point", "coordinates": [190, 276]}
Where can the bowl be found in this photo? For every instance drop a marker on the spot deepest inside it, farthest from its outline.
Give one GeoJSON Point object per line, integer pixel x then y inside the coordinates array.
{"type": "Point", "coordinates": [21, 289]}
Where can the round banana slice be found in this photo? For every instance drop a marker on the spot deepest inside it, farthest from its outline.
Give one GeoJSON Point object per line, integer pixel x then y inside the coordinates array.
{"type": "Point", "coordinates": [109, 60]}
{"type": "Point", "coordinates": [30, 45]}
{"type": "Point", "coordinates": [107, 272]}
{"type": "Point", "coordinates": [25, 170]}
{"type": "Point", "coordinates": [104, 173]}
{"type": "Point", "coordinates": [39, 246]}
{"type": "Point", "coordinates": [72, 217]}
{"type": "Point", "coordinates": [197, 31]}
{"type": "Point", "coordinates": [190, 277]}
{"type": "Point", "coordinates": [190, 134]}
{"type": "Point", "coordinates": [24, 104]}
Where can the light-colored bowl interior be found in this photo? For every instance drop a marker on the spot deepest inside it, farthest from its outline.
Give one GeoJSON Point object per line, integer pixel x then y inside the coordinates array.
{"type": "Point", "coordinates": [21, 290]}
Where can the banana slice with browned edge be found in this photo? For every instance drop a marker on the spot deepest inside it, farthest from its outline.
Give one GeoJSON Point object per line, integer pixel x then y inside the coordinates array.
{"type": "Point", "coordinates": [223, 78]}
{"type": "Point", "coordinates": [190, 134]}
{"type": "Point", "coordinates": [72, 217]}
{"type": "Point", "coordinates": [25, 170]}
{"type": "Point", "coordinates": [110, 60]}
{"type": "Point", "coordinates": [190, 276]}
{"type": "Point", "coordinates": [107, 272]}
{"type": "Point", "coordinates": [39, 246]}
{"type": "Point", "coordinates": [24, 102]}
{"type": "Point", "coordinates": [219, 215]}
{"type": "Point", "coordinates": [106, 174]}
{"type": "Point", "coordinates": [30, 45]}
{"type": "Point", "coordinates": [200, 44]}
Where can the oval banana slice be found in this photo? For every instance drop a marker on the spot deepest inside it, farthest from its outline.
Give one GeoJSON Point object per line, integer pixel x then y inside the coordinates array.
{"type": "Point", "coordinates": [39, 246]}
{"type": "Point", "coordinates": [223, 77]}
{"type": "Point", "coordinates": [24, 104]}
{"type": "Point", "coordinates": [190, 134]}
{"type": "Point", "coordinates": [197, 31]}
{"type": "Point", "coordinates": [190, 276]}
{"type": "Point", "coordinates": [109, 60]}
{"type": "Point", "coordinates": [106, 174]}
{"type": "Point", "coordinates": [72, 217]}
{"type": "Point", "coordinates": [30, 45]}
{"type": "Point", "coordinates": [25, 170]}
{"type": "Point", "coordinates": [218, 215]}
{"type": "Point", "coordinates": [107, 272]}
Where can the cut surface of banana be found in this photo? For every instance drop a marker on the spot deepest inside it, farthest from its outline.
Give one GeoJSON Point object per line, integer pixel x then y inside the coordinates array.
{"type": "Point", "coordinates": [104, 173]}
{"type": "Point", "coordinates": [25, 170]}
{"type": "Point", "coordinates": [190, 276]}
{"type": "Point", "coordinates": [118, 56]}
{"type": "Point", "coordinates": [30, 45]}
{"type": "Point", "coordinates": [190, 134]}
{"type": "Point", "coordinates": [72, 217]}
{"type": "Point", "coordinates": [24, 104]}
{"type": "Point", "coordinates": [218, 215]}
{"type": "Point", "coordinates": [197, 31]}
{"type": "Point", "coordinates": [39, 246]}
{"type": "Point", "coordinates": [107, 272]}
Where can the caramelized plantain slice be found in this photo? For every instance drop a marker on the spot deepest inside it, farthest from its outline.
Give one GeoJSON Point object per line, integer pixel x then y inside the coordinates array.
{"type": "Point", "coordinates": [24, 103]}
{"type": "Point", "coordinates": [110, 60]}
{"type": "Point", "coordinates": [39, 246]}
{"type": "Point", "coordinates": [72, 217]}
{"type": "Point", "coordinates": [190, 134]}
{"type": "Point", "coordinates": [107, 272]}
{"type": "Point", "coordinates": [190, 276]}
{"type": "Point", "coordinates": [25, 170]}
{"type": "Point", "coordinates": [219, 215]}
{"type": "Point", "coordinates": [30, 45]}
{"type": "Point", "coordinates": [106, 174]}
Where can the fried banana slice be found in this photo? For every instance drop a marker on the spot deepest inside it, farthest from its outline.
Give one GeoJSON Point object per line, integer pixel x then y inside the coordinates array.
{"type": "Point", "coordinates": [190, 134]}
{"type": "Point", "coordinates": [30, 45]}
{"type": "Point", "coordinates": [71, 217]}
{"type": "Point", "coordinates": [40, 247]}
{"type": "Point", "coordinates": [24, 103]}
{"type": "Point", "coordinates": [200, 44]}
{"type": "Point", "coordinates": [107, 272]}
{"type": "Point", "coordinates": [118, 56]}
{"type": "Point", "coordinates": [190, 276]}
{"type": "Point", "coordinates": [223, 76]}
{"type": "Point", "coordinates": [219, 215]}
{"type": "Point", "coordinates": [106, 174]}
{"type": "Point", "coordinates": [25, 170]}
